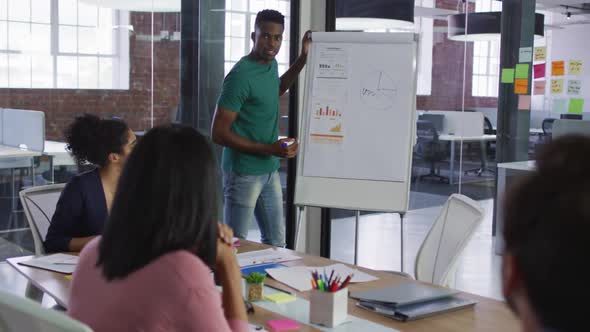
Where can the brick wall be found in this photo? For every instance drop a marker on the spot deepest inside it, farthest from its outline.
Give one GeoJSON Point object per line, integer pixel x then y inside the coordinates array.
{"type": "Point", "coordinates": [133, 105]}
{"type": "Point", "coordinates": [447, 71]}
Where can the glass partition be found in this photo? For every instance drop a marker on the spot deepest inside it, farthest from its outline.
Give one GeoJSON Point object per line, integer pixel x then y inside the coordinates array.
{"type": "Point", "coordinates": [70, 57]}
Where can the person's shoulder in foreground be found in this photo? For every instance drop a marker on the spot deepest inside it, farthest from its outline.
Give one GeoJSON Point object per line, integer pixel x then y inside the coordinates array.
{"type": "Point", "coordinates": [175, 292]}
{"type": "Point", "coordinates": [546, 227]}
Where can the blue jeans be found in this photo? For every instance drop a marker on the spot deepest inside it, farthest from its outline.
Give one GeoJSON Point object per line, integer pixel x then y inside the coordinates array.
{"type": "Point", "coordinates": [260, 196]}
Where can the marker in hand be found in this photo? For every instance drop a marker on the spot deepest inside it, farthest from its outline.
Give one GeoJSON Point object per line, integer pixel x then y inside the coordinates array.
{"type": "Point", "coordinates": [286, 144]}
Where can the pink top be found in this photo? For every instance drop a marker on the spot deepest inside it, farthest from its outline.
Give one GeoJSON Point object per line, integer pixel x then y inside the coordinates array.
{"type": "Point", "coordinates": [175, 292]}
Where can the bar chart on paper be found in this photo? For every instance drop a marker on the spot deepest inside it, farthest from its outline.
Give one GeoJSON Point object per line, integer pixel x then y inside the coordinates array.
{"type": "Point", "coordinates": [326, 124]}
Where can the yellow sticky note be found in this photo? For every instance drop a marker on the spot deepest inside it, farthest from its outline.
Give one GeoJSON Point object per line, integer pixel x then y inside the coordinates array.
{"type": "Point", "coordinates": [540, 53]}
{"type": "Point", "coordinates": [521, 86]}
{"type": "Point", "coordinates": [556, 86]}
{"type": "Point", "coordinates": [558, 68]}
{"type": "Point", "coordinates": [576, 106]}
{"type": "Point", "coordinates": [508, 75]}
{"type": "Point", "coordinates": [280, 297]}
{"type": "Point", "coordinates": [522, 70]}
{"type": "Point", "coordinates": [575, 67]}
{"type": "Point", "coordinates": [68, 276]}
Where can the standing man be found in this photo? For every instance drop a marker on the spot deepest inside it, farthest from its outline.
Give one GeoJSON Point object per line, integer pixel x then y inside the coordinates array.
{"type": "Point", "coordinates": [246, 124]}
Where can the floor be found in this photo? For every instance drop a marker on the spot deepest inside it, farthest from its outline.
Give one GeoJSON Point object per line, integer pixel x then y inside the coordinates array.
{"type": "Point", "coordinates": [478, 269]}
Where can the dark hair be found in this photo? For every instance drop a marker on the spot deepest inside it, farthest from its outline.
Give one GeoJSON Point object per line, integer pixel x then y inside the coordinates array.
{"type": "Point", "coordinates": [166, 200]}
{"type": "Point", "coordinates": [547, 224]}
{"type": "Point", "coordinates": [91, 139]}
{"type": "Point", "coordinates": [269, 15]}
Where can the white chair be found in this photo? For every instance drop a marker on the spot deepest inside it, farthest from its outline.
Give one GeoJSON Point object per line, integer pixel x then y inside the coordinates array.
{"type": "Point", "coordinates": [39, 206]}
{"type": "Point", "coordinates": [437, 257]}
{"type": "Point", "coordinates": [21, 314]}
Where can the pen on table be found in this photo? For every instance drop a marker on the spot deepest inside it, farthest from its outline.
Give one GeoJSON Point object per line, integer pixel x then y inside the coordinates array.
{"type": "Point", "coordinates": [279, 289]}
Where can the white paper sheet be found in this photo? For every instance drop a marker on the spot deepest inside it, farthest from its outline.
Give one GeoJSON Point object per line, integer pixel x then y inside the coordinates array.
{"type": "Point", "coordinates": [63, 263]}
{"type": "Point", "coordinates": [265, 256]}
{"type": "Point", "coordinates": [299, 277]}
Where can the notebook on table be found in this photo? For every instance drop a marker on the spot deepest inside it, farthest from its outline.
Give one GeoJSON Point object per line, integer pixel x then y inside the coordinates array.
{"type": "Point", "coordinates": [404, 294]}
{"type": "Point", "coordinates": [410, 301]}
{"type": "Point", "coordinates": [417, 310]}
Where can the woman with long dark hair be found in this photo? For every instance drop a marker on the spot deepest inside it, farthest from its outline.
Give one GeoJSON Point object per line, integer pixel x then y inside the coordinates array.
{"type": "Point", "coordinates": [83, 206]}
{"type": "Point", "coordinates": [150, 270]}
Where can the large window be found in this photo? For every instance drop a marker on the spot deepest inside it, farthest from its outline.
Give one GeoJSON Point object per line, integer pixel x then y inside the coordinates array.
{"type": "Point", "coordinates": [239, 23]}
{"type": "Point", "coordinates": [486, 58]}
{"type": "Point", "coordinates": [62, 44]}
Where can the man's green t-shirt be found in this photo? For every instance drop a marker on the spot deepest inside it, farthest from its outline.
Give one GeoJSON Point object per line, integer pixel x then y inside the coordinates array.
{"type": "Point", "coordinates": [252, 90]}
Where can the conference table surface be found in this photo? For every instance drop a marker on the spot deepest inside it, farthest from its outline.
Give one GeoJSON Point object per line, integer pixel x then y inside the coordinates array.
{"type": "Point", "coordinates": [487, 315]}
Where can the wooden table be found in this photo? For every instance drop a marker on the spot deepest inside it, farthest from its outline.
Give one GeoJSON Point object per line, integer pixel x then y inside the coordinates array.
{"type": "Point", "coordinates": [486, 315]}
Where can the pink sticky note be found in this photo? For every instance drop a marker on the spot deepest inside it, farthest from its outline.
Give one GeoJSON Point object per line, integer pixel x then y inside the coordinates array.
{"type": "Point", "coordinates": [524, 102]}
{"type": "Point", "coordinates": [283, 325]}
{"type": "Point", "coordinates": [539, 88]}
{"type": "Point", "coordinates": [539, 70]}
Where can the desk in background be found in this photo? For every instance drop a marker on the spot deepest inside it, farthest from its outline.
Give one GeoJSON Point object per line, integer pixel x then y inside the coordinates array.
{"type": "Point", "coordinates": [456, 138]}
{"type": "Point", "coordinates": [487, 315]}
{"type": "Point", "coordinates": [507, 174]}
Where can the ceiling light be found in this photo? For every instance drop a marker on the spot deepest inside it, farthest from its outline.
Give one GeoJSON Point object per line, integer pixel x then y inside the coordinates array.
{"type": "Point", "coordinates": [354, 15]}
{"type": "Point", "coordinates": [484, 26]}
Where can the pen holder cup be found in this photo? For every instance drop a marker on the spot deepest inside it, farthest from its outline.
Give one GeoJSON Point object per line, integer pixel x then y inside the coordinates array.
{"type": "Point", "coordinates": [254, 291]}
{"type": "Point", "coordinates": [327, 308]}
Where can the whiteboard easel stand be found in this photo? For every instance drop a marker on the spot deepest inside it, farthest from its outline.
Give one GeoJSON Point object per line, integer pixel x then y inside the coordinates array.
{"type": "Point", "coordinates": [356, 234]}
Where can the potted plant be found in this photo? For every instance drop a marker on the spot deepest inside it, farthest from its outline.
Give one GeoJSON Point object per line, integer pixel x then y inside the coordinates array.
{"type": "Point", "coordinates": [254, 285]}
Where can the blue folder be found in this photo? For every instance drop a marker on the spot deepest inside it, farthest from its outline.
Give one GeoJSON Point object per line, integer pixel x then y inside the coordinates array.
{"type": "Point", "coordinates": [259, 268]}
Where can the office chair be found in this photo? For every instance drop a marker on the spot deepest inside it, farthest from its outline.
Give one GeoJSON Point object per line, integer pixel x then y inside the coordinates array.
{"type": "Point", "coordinates": [488, 149]}
{"type": "Point", "coordinates": [21, 314]}
{"type": "Point", "coordinates": [547, 126]}
{"type": "Point", "coordinates": [430, 149]}
{"type": "Point", "coordinates": [39, 206]}
{"type": "Point", "coordinates": [436, 260]}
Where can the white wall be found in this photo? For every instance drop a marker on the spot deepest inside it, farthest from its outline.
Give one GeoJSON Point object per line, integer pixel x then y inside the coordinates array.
{"type": "Point", "coordinates": [571, 43]}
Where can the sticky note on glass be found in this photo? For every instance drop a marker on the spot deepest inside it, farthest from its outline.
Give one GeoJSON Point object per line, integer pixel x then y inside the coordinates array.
{"type": "Point", "coordinates": [576, 106]}
{"type": "Point", "coordinates": [524, 102]}
{"type": "Point", "coordinates": [540, 53]}
{"type": "Point", "coordinates": [539, 88]}
{"type": "Point", "coordinates": [574, 87]}
{"type": "Point", "coordinates": [575, 67]}
{"type": "Point", "coordinates": [539, 70]}
{"type": "Point", "coordinates": [521, 86]}
{"type": "Point", "coordinates": [525, 54]}
{"type": "Point", "coordinates": [280, 297]}
{"type": "Point", "coordinates": [559, 106]}
{"type": "Point", "coordinates": [556, 86]}
{"type": "Point", "coordinates": [522, 70]}
{"type": "Point", "coordinates": [508, 75]}
{"type": "Point", "coordinates": [283, 325]}
{"type": "Point", "coordinates": [558, 68]}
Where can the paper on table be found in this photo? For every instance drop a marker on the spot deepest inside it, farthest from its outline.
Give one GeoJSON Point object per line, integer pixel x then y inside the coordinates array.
{"type": "Point", "coordinates": [298, 277]}
{"type": "Point", "coordinates": [264, 257]}
{"type": "Point", "coordinates": [62, 263]}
